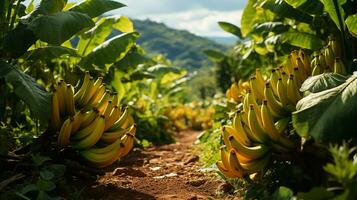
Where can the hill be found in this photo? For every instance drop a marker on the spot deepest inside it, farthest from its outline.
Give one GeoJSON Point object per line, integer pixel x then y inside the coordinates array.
{"type": "Point", "coordinates": [182, 47]}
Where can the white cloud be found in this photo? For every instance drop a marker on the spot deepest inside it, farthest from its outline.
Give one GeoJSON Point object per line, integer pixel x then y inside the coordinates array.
{"type": "Point", "coordinates": [198, 21]}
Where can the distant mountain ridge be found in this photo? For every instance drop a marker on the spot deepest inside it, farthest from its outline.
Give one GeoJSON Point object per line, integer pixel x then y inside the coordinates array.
{"type": "Point", "coordinates": [182, 47]}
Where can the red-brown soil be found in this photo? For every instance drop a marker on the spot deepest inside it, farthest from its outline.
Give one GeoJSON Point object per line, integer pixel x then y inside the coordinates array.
{"type": "Point", "coordinates": [163, 172]}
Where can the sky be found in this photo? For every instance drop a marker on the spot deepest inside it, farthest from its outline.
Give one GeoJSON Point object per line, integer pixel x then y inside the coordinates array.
{"type": "Point", "coordinates": [197, 16]}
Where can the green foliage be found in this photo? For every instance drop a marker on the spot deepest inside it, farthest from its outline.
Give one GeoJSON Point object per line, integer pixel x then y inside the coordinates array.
{"type": "Point", "coordinates": [95, 8]}
{"type": "Point", "coordinates": [58, 27]}
{"type": "Point", "coordinates": [322, 82]}
{"type": "Point", "coordinates": [231, 28]}
{"type": "Point", "coordinates": [351, 23]}
{"type": "Point", "coordinates": [328, 115]}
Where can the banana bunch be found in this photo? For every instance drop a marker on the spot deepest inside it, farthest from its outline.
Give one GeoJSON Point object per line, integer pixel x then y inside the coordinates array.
{"type": "Point", "coordinates": [259, 127]}
{"type": "Point", "coordinates": [237, 90]}
{"type": "Point", "coordinates": [328, 59]}
{"type": "Point", "coordinates": [100, 130]}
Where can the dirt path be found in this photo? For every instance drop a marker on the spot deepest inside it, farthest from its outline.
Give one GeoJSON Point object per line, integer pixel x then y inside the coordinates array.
{"type": "Point", "coordinates": [165, 172]}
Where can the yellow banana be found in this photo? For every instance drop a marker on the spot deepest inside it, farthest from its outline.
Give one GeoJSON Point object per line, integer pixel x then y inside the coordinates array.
{"type": "Point", "coordinates": [282, 93]}
{"type": "Point", "coordinates": [86, 91]}
{"type": "Point", "coordinates": [322, 61]}
{"type": "Point", "coordinates": [89, 117]}
{"type": "Point", "coordinates": [335, 47]}
{"type": "Point", "coordinates": [255, 126]}
{"type": "Point", "coordinates": [288, 65]}
{"type": "Point", "coordinates": [128, 122]}
{"type": "Point", "coordinates": [94, 101]}
{"type": "Point", "coordinates": [108, 109]}
{"type": "Point", "coordinates": [115, 99]}
{"type": "Point", "coordinates": [328, 52]}
{"type": "Point", "coordinates": [61, 90]}
{"type": "Point", "coordinates": [92, 90]}
{"type": "Point", "coordinates": [77, 120]}
{"type": "Point", "coordinates": [223, 169]}
{"type": "Point", "coordinates": [83, 88]}
{"type": "Point", "coordinates": [240, 135]}
{"type": "Point", "coordinates": [93, 137]}
{"type": "Point", "coordinates": [268, 122]}
{"type": "Point", "coordinates": [128, 143]}
{"type": "Point", "coordinates": [104, 101]}
{"type": "Point", "coordinates": [294, 56]}
{"type": "Point", "coordinates": [252, 152]}
{"type": "Point", "coordinates": [104, 157]}
{"type": "Point", "coordinates": [55, 121]}
{"type": "Point", "coordinates": [70, 108]}
{"type": "Point", "coordinates": [119, 123]}
{"type": "Point", "coordinates": [257, 90]}
{"type": "Point", "coordinates": [225, 136]}
{"type": "Point", "coordinates": [234, 165]}
{"type": "Point", "coordinates": [110, 137]}
{"type": "Point", "coordinates": [339, 67]}
{"type": "Point", "coordinates": [256, 165]}
{"type": "Point", "coordinates": [259, 76]}
{"type": "Point", "coordinates": [65, 133]}
{"type": "Point", "coordinates": [307, 63]}
{"type": "Point", "coordinates": [224, 156]}
{"type": "Point", "coordinates": [112, 118]}
{"type": "Point", "coordinates": [297, 77]}
{"type": "Point", "coordinates": [250, 100]}
{"type": "Point", "coordinates": [293, 91]}
{"type": "Point", "coordinates": [86, 131]}
{"type": "Point", "coordinates": [228, 94]}
{"type": "Point", "coordinates": [273, 81]}
{"type": "Point", "coordinates": [274, 105]}
{"type": "Point", "coordinates": [234, 92]}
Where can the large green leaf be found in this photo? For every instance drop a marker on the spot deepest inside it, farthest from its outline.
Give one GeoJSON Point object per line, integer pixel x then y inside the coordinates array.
{"type": "Point", "coordinates": [322, 82]}
{"type": "Point", "coordinates": [335, 11]}
{"type": "Point", "coordinates": [131, 60]}
{"type": "Point", "coordinates": [329, 115]}
{"type": "Point", "coordinates": [231, 28]}
{"type": "Point", "coordinates": [50, 6]}
{"type": "Point", "coordinates": [110, 51]}
{"type": "Point", "coordinates": [303, 40]}
{"type": "Point", "coordinates": [103, 28]}
{"type": "Point", "coordinates": [276, 27]}
{"type": "Point", "coordinates": [283, 9]}
{"type": "Point", "coordinates": [32, 93]}
{"type": "Point", "coordinates": [16, 42]}
{"type": "Point", "coordinates": [351, 23]}
{"type": "Point", "coordinates": [94, 8]}
{"type": "Point", "coordinates": [308, 6]}
{"type": "Point", "coordinates": [59, 27]}
{"type": "Point", "coordinates": [5, 68]}
{"type": "Point", "coordinates": [248, 16]}
{"type": "Point", "coordinates": [49, 52]}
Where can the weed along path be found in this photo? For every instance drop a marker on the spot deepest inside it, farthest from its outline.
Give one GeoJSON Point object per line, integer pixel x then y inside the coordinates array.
{"type": "Point", "coordinates": [163, 172]}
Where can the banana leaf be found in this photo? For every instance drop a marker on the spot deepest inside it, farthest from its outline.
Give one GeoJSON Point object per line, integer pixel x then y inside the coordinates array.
{"type": "Point", "coordinates": [336, 12]}
{"type": "Point", "coordinates": [59, 27]}
{"type": "Point", "coordinates": [322, 82]}
{"type": "Point", "coordinates": [351, 23]}
{"type": "Point", "coordinates": [231, 28]}
{"type": "Point", "coordinates": [329, 115]}
{"type": "Point", "coordinates": [95, 8]}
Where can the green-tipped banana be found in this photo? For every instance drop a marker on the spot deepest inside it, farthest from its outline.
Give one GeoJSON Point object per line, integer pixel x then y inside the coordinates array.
{"type": "Point", "coordinates": [93, 137]}
{"type": "Point", "coordinates": [65, 133]}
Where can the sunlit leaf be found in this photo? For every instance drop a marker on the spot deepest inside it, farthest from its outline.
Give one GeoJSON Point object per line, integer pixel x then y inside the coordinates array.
{"type": "Point", "coordinates": [335, 11]}
{"type": "Point", "coordinates": [59, 27]}
{"type": "Point", "coordinates": [329, 115]}
{"type": "Point", "coordinates": [351, 23]}
{"type": "Point", "coordinates": [231, 28]}
{"type": "Point", "coordinates": [248, 16]}
{"type": "Point", "coordinates": [276, 27]}
{"type": "Point", "coordinates": [322, 82]}
{"type": "Point", "coordinates": [110, 51]}
{"type": "Point", "coordinates": [283, 9]}
{"type": "Point", "coordinates": [303, 40]}
{"type": "Point", "coordinates": [95, 8]}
